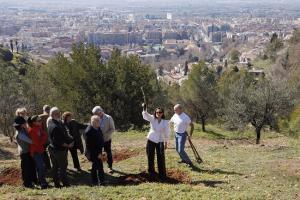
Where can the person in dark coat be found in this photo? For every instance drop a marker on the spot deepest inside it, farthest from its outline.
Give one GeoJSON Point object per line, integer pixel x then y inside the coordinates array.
{"type": "Point", "coordinates": [94, 144]}
{"type": "Point", "coordinates": [60, 142]}
{"type": "Point", "coordinates": [44, 116]}
{"type": "Point", "coordinates": [74, 128]}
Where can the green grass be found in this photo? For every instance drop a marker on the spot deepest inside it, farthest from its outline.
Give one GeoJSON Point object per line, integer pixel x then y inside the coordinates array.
{"type": "Point", "coordinates": [262, 64]}
{"type": "Point", "coordinates": [234, 168]}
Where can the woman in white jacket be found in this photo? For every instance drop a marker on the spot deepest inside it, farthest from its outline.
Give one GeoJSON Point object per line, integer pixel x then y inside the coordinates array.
{"type": "Point", "coordinates": [158, 136]}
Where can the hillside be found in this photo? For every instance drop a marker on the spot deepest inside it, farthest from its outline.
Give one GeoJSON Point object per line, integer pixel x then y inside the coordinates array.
{"type": "Point", "coordinates": [234, 168]}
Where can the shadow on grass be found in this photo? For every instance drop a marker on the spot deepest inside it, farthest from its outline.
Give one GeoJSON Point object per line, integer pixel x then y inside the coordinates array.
{"type": "Point", "coordinates": [6, 155]}
{"type": "Point", "coordinates": [215, 135]}
{"type": "Point", "coordinates": [209, 183]}
{"type": "Point", "coordinates": [79, 177]}
{"type": "Point", "coordinates": [123, 179]}
{"type": "Point", "coordinates": [214, 171]}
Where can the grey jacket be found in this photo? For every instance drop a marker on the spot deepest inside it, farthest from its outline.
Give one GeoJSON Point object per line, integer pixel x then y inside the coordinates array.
{"type": "Point", "coordinates": [23, 141]}
{"type": "Point", "coordinates": [107, 126]}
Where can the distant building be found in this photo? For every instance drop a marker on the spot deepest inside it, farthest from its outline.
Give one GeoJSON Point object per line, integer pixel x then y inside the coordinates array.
{"type": "Point", "coordinates": [171, 35]}
{"type": "Point", "coordinates": [154, 37]}
{"type": "Point", "coordinates": [115, 38]}
{"type": "Point", "coordinates": [130, 18]}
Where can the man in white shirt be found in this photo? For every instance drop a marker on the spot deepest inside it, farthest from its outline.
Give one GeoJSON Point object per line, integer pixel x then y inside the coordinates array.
{"type": "Point", "coordinates": [181, 122]}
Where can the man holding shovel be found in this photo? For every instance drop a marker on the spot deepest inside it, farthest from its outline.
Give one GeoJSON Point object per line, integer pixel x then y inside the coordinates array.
{"type": "Point", "coordinates": [181, 122]}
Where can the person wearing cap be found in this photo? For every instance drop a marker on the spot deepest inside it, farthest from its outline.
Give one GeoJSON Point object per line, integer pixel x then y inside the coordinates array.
{"type": "Point", "coordinates": [107, 127]}
{"type": "Point", "coordinates": [39, 138]}
{"type": "Point", "coordinates": [44, 116]}
{"type": "Point", "coordinates": [60, 142]}
{"type": "Point", "coordinates": [27, 162]}
{"type": "Point", "coordinates": [94, 144]}
{"type": "Point", "coordinates": [74, 128]}
{"type": "Point", "coordinates": [181, 122]}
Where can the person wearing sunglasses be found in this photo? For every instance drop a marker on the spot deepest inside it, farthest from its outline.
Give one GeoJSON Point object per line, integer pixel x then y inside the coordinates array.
{"type": "Point", "coordinates": [157, 137]}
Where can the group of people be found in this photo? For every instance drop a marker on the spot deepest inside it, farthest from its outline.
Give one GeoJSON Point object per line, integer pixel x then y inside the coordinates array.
{"type": "Point", "coordinates": [49, 133]}
{"type": "Point", "coordinates": [53, 134]}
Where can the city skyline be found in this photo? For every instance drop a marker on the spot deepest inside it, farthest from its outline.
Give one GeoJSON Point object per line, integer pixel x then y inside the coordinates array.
{"type": "Point", "coordinates": [148, 2]}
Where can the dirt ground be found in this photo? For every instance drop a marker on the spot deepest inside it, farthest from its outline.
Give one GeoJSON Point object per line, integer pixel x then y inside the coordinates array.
{"type": "Point", "coordinates": [289, 167]}
{"type": "Point", "coordinates": [174, 176]}
{"type": "Point", "coordinates": [124, 154]}
{"type": "Point", "coordinates": [10, 176]}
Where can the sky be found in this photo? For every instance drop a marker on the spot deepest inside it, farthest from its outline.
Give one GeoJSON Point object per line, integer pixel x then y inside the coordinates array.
{"type": "Point", "coordinates": [36, 3]}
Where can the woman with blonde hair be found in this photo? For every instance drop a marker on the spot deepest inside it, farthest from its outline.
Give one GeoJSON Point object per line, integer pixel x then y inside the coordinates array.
{"type": "Point", "coordinates": [22, 112]}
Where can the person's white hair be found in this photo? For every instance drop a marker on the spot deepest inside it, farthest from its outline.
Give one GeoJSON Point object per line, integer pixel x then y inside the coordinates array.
{"type": "Point", "coordinates": [96, 110]}
{"type": "Point", "coordinates": [21, 110]}
{"type": "Point", "coordinates": [177, 106]}
{"type": "Point", "coordinates": [53, 110]}
{"type": "Point", "coordinates": [46, 107]}
{"type": "Point", "coordinates": [94, 119]}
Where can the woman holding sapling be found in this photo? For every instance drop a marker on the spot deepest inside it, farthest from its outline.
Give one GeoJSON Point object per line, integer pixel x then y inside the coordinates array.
{"type": "Point", "coordinates": [158, 136]}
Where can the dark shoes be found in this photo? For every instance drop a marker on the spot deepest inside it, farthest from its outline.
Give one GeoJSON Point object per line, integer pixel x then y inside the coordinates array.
{"type": "Point", "coordinates": [188, 163]}
{"type": "Point", "coordinates": [79, 169]}
{"type": "Point", "coordinates": [44, 186]}
{"type": "Point", "coordinates": [31, 186]}
{"type": "Point", "coordinates": [98, 184]}
{"type": "Point", "coordinates": [58, 185]}
{"type": "Point", "coordinates": [110, 170]}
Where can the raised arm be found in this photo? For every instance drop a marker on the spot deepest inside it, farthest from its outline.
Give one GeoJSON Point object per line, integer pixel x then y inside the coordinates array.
{"type": "Point", "coordinates": [147, 116]}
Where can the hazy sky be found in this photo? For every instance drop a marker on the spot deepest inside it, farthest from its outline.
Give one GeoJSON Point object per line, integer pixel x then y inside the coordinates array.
{"type": "Point", "coordinates": [123, 3]}
{"type": "Point", "coordinates": [153, 1]}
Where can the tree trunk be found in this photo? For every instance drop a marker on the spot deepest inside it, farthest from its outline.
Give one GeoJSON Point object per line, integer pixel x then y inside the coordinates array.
{"type": "Point", "coordinates": [203, 124]}
{"type": "Point", "coordinates": [258, 133]}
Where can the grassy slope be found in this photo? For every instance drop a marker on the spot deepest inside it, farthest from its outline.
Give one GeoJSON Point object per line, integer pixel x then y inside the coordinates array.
{"type": "Point", "coordinates": [234, 168]}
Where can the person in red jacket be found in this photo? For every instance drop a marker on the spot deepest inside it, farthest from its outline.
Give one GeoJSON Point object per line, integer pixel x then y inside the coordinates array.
{"type": "Point", "coordinates": [39, 138]}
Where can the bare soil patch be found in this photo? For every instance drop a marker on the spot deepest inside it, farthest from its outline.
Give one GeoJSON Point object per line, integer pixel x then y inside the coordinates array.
{"type": "Point", "coordinates": [124, 154]}
{"type": "Point", "coordinates": [288, 167]}
{"type": "Point", "coordinates": [10, 176]}
{"type": "Point", "coordinates": [174, 176]}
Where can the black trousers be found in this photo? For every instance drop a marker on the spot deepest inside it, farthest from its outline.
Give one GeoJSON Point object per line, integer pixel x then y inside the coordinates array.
{"type": "Point", "coordinates": [59, 161]}
{"type": "Point", "coordinates": [107, 149]}
{"type": "Point", "coordinates": [28, 170]}
{"type": "Point", "coordinates": [46, 159]}
{"type": "Point", "coordinates": [74, 155]}
{"type": "Point", "coordinates": [160, 152]}
{"type": "Point", "coordinates": [97, 172]}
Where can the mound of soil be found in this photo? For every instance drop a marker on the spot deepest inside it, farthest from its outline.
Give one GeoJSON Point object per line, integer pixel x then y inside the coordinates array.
{"type": "Point", "coordinates": [119, 155]}
{"type": "Point", "coordinates": [10, 176]}
{"type": "Point", "coordinates": [178, 175]}
{"type": "Point", "coordinates": [124, 154]}
{"type": "Point", "coordinates": [174, 176]}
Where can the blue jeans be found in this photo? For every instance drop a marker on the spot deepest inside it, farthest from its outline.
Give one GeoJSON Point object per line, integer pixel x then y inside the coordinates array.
{"type": "Point", "coordinates": [40, 168]}
{"type": "Point", "coordinates": [180, 139]}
